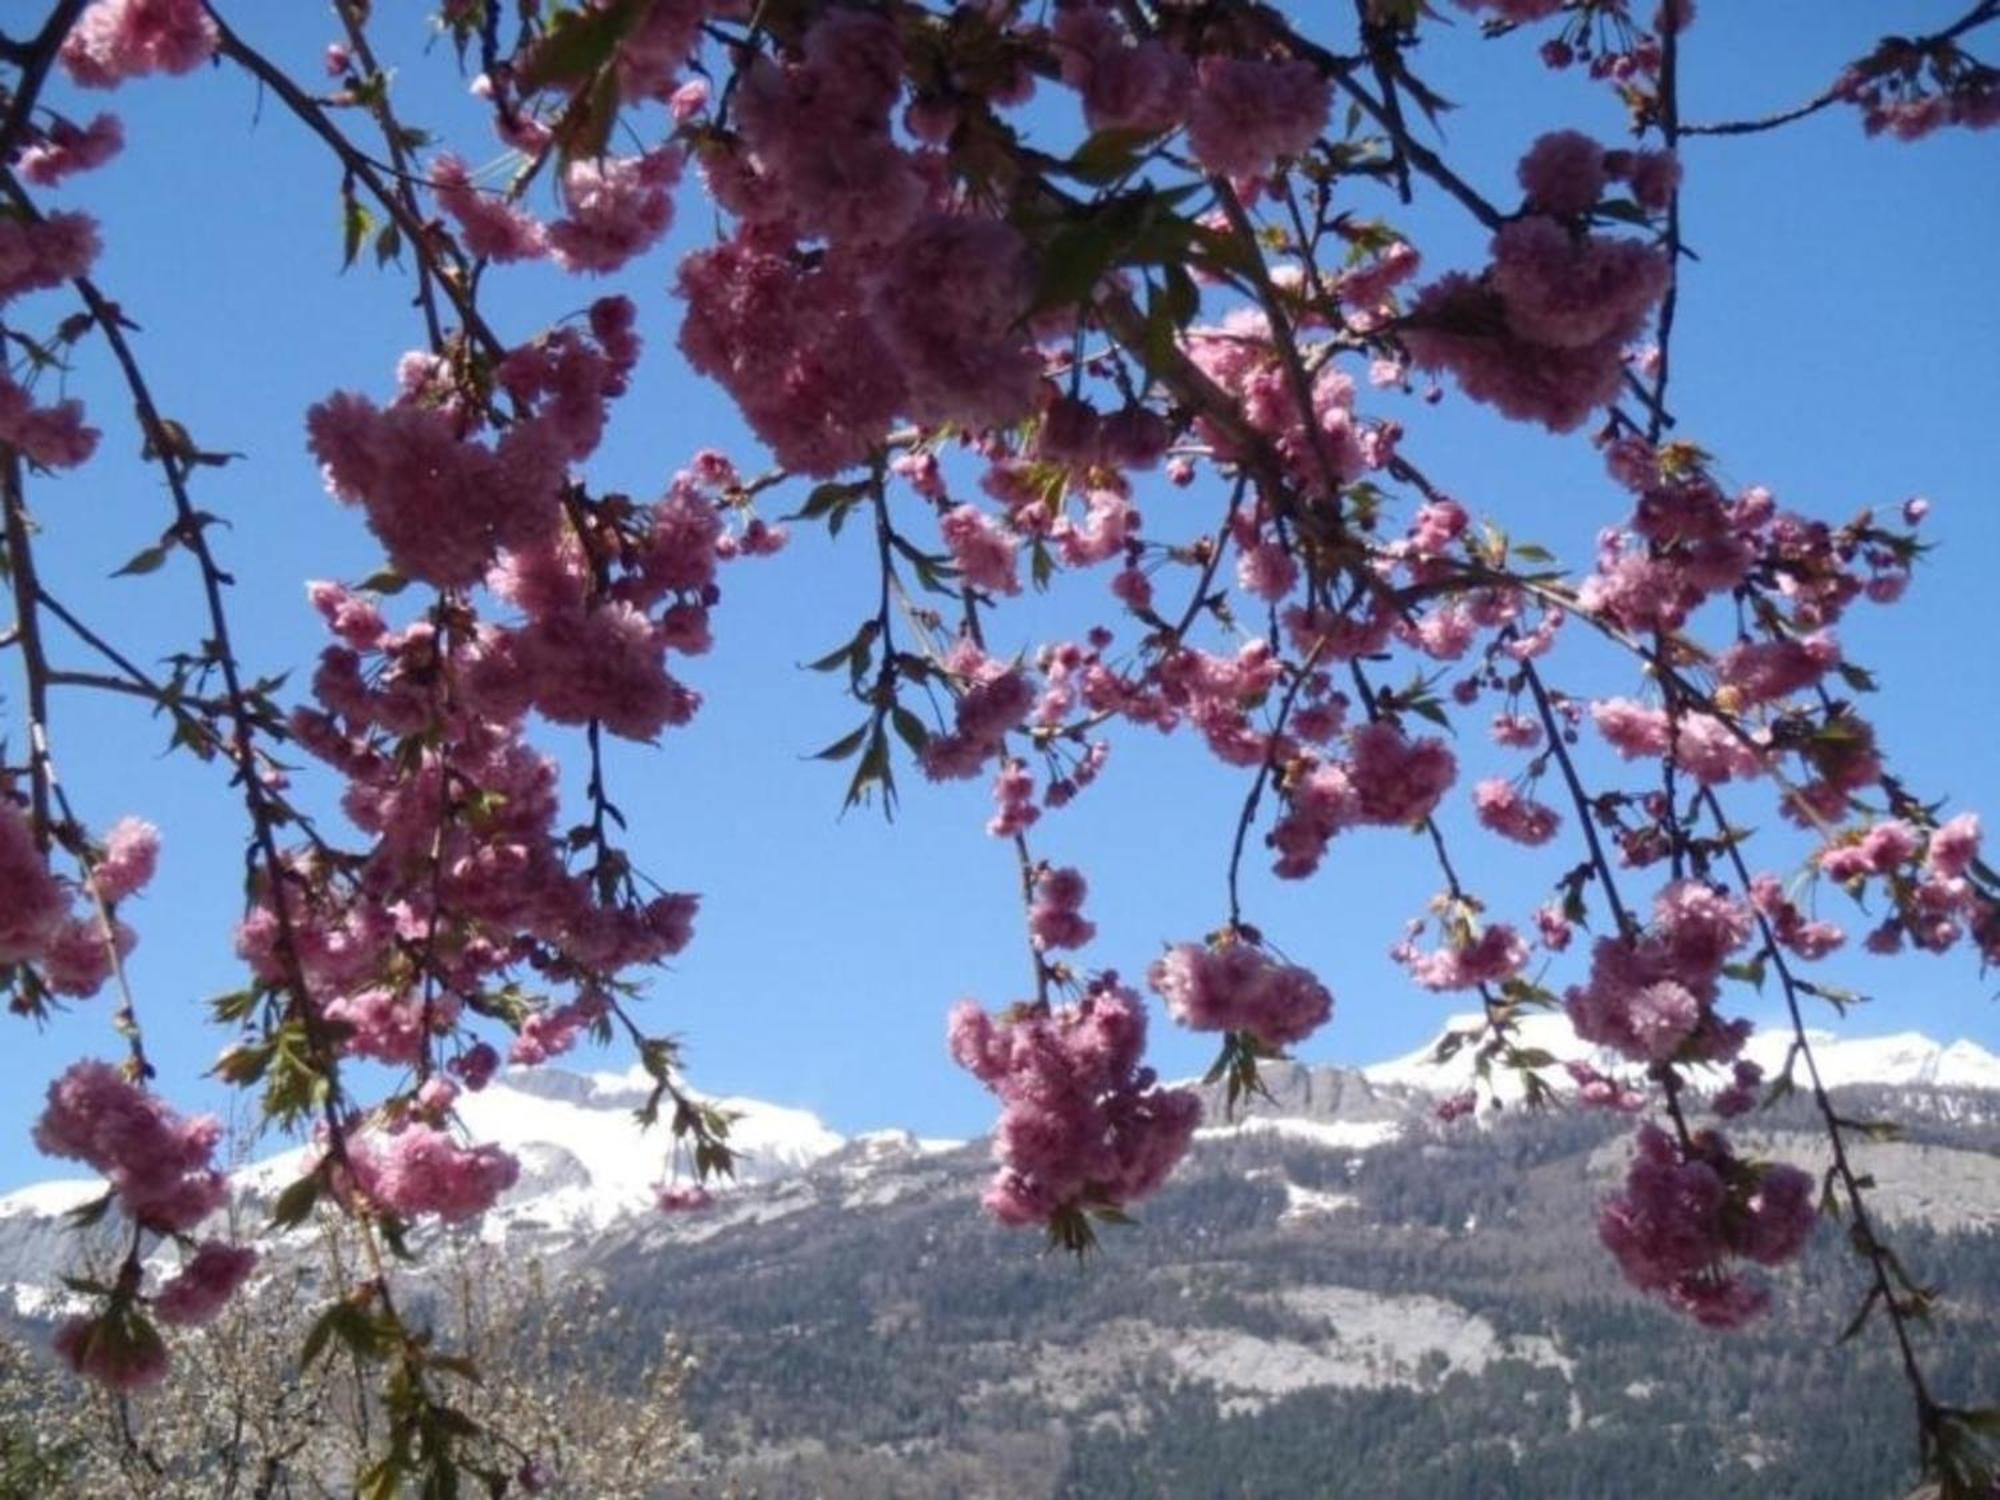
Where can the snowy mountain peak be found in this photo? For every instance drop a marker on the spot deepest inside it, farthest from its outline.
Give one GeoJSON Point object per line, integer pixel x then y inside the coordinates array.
{"type": "Point", "coordinates": [586, 1161]}
{"type": "Point", "coordinates": [1905, 1059]}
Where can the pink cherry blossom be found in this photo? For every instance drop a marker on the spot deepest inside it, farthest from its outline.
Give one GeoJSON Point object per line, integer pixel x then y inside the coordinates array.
{"type": "Point", "coordinates": [1083, 1124]}
{"type": "Point", "coordinates": [1236, 986]}
{"type": "Point", "coordinates": [119, 39]}
{"type": "Point", "coordinates": [204, 1284]}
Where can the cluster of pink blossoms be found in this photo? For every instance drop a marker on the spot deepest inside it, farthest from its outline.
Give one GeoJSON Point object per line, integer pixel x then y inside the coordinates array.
{"type": "Point", "coordinates": [1469, 957]}
{"type": "Point", "coordinates": [36, 255]}
{"type": "Point", "coordinates": [1387, 779]}
{"type": "Point", "coordinates": [160, 1166]}
{"type": "Point", "coordinates": [682, 1198]}
{"type": "Point", "coordinates": [114, 40]}
{"type": "Point", "coordinates": [1704, 746]}
{"type": "Point", "coordinates": [56, 437]}
{"type": "Point", "coordinates": [1321, 450]}
{"type": "Point", "coordinates": [57, 927]}
{"type": "Point", "coordinates": [202, 1287]}
{"type": "Point", "coordinates": [1243, 114]}
{"type": "Point", "coordinates": [162, 1175]}
{"type": "Point", "coordinates": [1909, 90]}
{"type": "Point", "coordinates": [444, 503]}
{"type": "Point", "coordinates": [1606, 36]}
{"type": "Point", "coordinates": [1248, 113]}
{"type": "Point", "coordinates": [1082, 1125]}
{"type": "Point", "coordinates": [1055, 917]}
{"type": "Point", "coordinates": [1542, 333]}
{"type": "Point", "coordinates": [1596, 1091]}
{"type": "Point", "coordinates": [995, 699]}
{"type": "Point", "coordinates": [63, 148]}
{"type": "Point", "coordinates": [1689, 1209]}
{"type": "Point", "coordinates": [1508, 812]}
{"type": "Point", "coordinates": [985, 555]}
{"type": "Point", "coordinates": [119, 1349]}
{"type": "Point", "coordinates": [420, 1170]}
{"type": "Point", "coordinates": [1806, 937]}
{"type": "Point", "coordinates": [1926, 879]}
{"type": "Point", "coordinates": [618, 207]}
{"type": "Point", "coordinates": [907, 303]}
{"type": "Point", "coordinates": [470, 875]}
{"type": "Point", "coordinates": [1233, 985]}
{"type": "Point", "coordinates": [469, 871]}
{"type": "Point", "coordinates": [1651, 996]}
{"type": "Point", "coordinates": [1687, 544]}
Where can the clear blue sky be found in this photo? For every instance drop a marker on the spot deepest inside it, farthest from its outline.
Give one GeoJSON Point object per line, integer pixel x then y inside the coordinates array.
{"type": "Point", "coordinates": [1839, 341]}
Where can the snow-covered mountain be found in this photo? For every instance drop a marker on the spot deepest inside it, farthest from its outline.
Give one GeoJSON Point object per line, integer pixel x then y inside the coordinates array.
{"type": "Point", "coordinates": [1906, 1059]}
{"type": "Point", "coordinates": [1332, 1263]}
{"type": "Point", "coordinates": [586, 1164]}
{"type": "Point", "coordinates": [585, 1161]}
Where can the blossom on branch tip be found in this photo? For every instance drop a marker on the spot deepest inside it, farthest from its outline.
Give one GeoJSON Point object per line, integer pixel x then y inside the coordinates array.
{"type": "Point", "coordinates": [1234, 985]}
{"type": "Point", "coordinates": [1083, 1125]}
{"type": "Point", "coordinates": [114, 40]}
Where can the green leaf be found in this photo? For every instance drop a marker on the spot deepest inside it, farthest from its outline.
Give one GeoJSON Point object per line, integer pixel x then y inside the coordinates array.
{"type": "Point", "coordinates": [872, 771]}
{"type": "Point", "coordinates": [828, 497]}
{"type": "Point", "coordinates": [318, 1336]}
{"type": "Point", "coordinates": [1109, 155]}
{"type": "Point", "coordinates": [1751, 973]}
{"type": "Point", "coordinates": [1620, 211]}
{"type": "Point", "coordinates": [1132, 228]}
{"type": "Point", "coordinates": [1076, 260]}
{"type": "Point", "coordinates": [834, 659]}
{"type": "Point", "coordinates": [146, 560]}
{"type": "Point", "coordinates": [378, 1483]}
{"type": "Point", "coordinates": [245, 1063]}
{"type": "Point", "coordinates": [578, 44]}
{"type": "Point", "coordinates": [1160, 337]}
{"type": "Point", "coordinates": [910, 729]}
{"type": "Point", "coordinates": [843, 747]}
{"type": "Point", "coordinates": [585, 127]}
{"type": "Point", "coordinates": [296, 1201]}
{"type": "Point", "coordinates": [356, 224]}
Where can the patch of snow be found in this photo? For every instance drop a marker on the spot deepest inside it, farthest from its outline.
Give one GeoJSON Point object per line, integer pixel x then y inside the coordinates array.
{"type": "Point", "coordinates": [586, 1161]}
{"type": "Point", "coordinates": [1311, 1203]}
{"type": "Point", "coordinates": [1904, 1059]}
{"type": "Point", "coordinates": [1336, 1135]}
{"type": "Point", "coordinates": [47, 1199]}
{"type": "Point", "coordinates": [51, 1301]}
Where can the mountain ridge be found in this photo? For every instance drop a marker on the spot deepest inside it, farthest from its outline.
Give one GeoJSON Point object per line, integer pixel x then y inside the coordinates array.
{"type": "Point", "coordinates": [1332, 1271]}
{"type": "Point", "coordinates": [585, 1162]}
